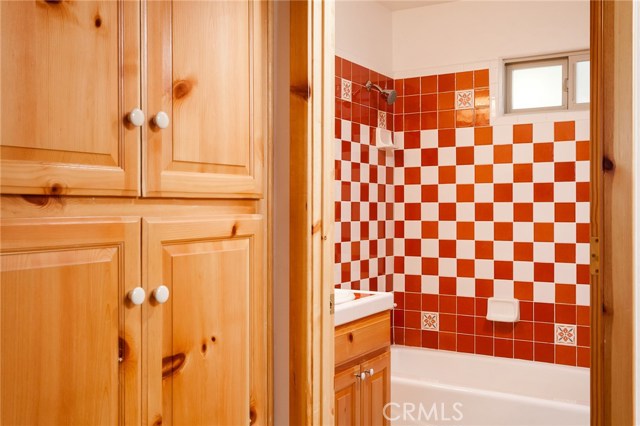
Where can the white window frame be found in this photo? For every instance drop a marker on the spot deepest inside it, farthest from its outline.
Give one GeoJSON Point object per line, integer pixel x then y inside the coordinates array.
{"type": "Point", "coordinates": [567, 60]}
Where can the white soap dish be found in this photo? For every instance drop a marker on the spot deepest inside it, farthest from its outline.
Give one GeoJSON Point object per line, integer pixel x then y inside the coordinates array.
{"type": "Point", "coordinates": [503, 310]}
{"type": "Point", "coordinates": [384, 141]}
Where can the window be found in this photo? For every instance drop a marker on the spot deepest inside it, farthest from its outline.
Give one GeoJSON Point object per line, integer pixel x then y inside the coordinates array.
{"type": "Point", "coordinates": [547, 83]}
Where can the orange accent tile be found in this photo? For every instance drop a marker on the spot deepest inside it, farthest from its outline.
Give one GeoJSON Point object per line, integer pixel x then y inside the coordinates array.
{"type": "Point", "coordinates": [465, 230]}
{"type": "Point", "coordinates": [583, 191]}
{"type": "Point", "coordinates": [429, 102]}
{"type": "Point", "coordinates": [481, 78]}
{"type": "Point", "coordinates": [446, 101]}
{"type": "Point", "coordinates": [483, 135]}
{"type": "Point", "coordinates": [429, 229]}
{"type": "Point", "coordinates": [484, 211]}
{"type": "Point", "coordinates": [429, 84]}
{"type": "Point", "coordinates": [484, 249]}
{"type": "Point", "coordinates": [464, 80]}
{"type": "Point", "coordinates": [542, 152]}
{"type": "Point", "coordinates": [565, 172]}
{"type": "Point", "coordinates": [446, 82]}
{"type": "Point", "coordinates": [482, 116]}
{"type": "Point", "coordinates": [564, 131]}
{"type": "Point", "coordinates": [523, 173]}
{"type": "Point", "coordinates": [502, 154]}
{"type": "Point", "coordinates": [429, 193]}
{"type": "Point", "coordinates": [446, 137]}
{"type": "Point", "coordinates": [429, 120]}
{"type": "Point", "coordinates": [464, 155]}
{"type": "Point", "coordinates": [565, 293]}
{"type": "Point", "coordinates": [466, 268]}
{"type": "Point", "coordinates": [543, 232]}
{"type": "Point", "coordinates": [447, 211]}
{"type": "Point", "coordinates": [565, 212]}
{"type": "Point", "coordinates": [465, 193]}
{"type": "Point", "coordinates": [447, 174]}
{"type": "Point", "coordinates": [484, 173]}
{"type": "Point", "coordinates": [503, 231]}
{"type": "Point", "coordinates": [523, 251]}
{"type": "Point", "coordinates": [412, 86]}
{"type": "Point", "coordinates": [523, 133]}
{"type": "Point", "coordinates": [523, 290]}
{"type": "Point", "coordinates": [503, 270]}
{"type": "Point", "coordinates": [565, 253]}
{"type": "Point", "coordinates": [481, 98]}
{"type": "Point", "coordinates": [582, 151]}
{"type": "Point", "coordinates": [464, 118]}
{"type": "Point", "coordinates": [447, 248]}
{"type": "Point", "coordinates": [446, 119]}
{"type": "Point", "coordinates": [543, 192]}
{"type": "Point", "coordinates": [503, 192]}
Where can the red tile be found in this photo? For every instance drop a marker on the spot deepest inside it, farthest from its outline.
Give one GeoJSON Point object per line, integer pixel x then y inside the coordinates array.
{"type": "Point", "coordinates": [504, 348]}
{"type": "Point", "coordinates": [584, 357]}
{"type": "Point", "coordinates": [484, 173]}
{"type": "Point", "coordinates": [429, 339]}
{"type": "Point", "coordinates": [429, 229]}
{"type": "Point", "coordinates": [446, 119]}
{"type": "Point", "coordinates": [484, 345]}
{"type": "Point", "coordinates": [583, 192]}
{"type": "Point", "coordinates": [584, 315]}
{"type": "Point", "coordinates": [481, 78]}
{"type": "Point", "coordinates": [484, 211]}
{"type": "Point", "coordinates": [543, 192]}
{"type": "Point", "coordinates": [412, 211]}
{"type": "Point", "coordinates": [466, 268]}
{"type": "Point", "coordinates": [481, 302]}
{"type": "Point", "coordinates": [523, 133]}
{"type": "Point", "coordinates": [584, 337]}
{"type": "Point", "coordinates": [412, 337]}
{"type": "Point", "coordinates": [502, 154]}
{"type": "Point", "coordinates": [446, 174]}
{"type": "Point", "coordinates": [465, 343]}
{"type": "Point", "coordinates": [523, 173]}
{"type": "Point", "coordinates": [446, 82]}
{"type": "Point", "coordinates": [503, 192]}
{"type": "Point", "coordinates": [447, 304]}
{"type": "Point", "coordinates": [523, 212]}
{"type": "Point", "coordinates": [465, 230]}
{"type": "Point", "coordinates": [543, 272]}
{"type": "Point", "coordinates": [447, 341]}
{"type": "Point", "coordinates": [583, 151]}
{"type": "Point", "coordinates": [566, 293]}
{"type": "Point", "coordinates": [412, 175]}
{"type": "Point", "coordinates": [412, 301]}
{"type": "Point", "coordinates": [503, 330]}
{"type": "Point", "coordinates": [564, 131]}
{"type": "Point", "coordinates": [447, 322]}
{"type": "Point", "coordinates": [464, 155]}
{"type": "Point", "coordinates": [429, 102]}
{"type": "Point", "coordinates": [483, 135]}
{"type": "Point", "coordinates": [543, 332]}
{"type": "Point", "coordinates": [412, 121]}
{"type": "Point", "coordinates": [446, 101]}
{"type": "Point", "coordinates": [464, 80]}
{"type": "Point", "coordinates": [446, 137]}
{"type": "Point", "coordinates": [565, 212]}
{"type": "Point", "coordinates": [542, 152]}
{"type": "Point", "coordinates": [503, 270]}
{"type": "Point", "coordinates": [565, 253]}
{"type": "Point", "coordinates": [466, 305]}
{"type": "Point", "coordinates": [566, 314]}
{"type": "Point", "coordinates": [429, 193]}
{"type": "Point", "coordinates": [429, 84]}
{"type": "Point", "coordinates": [464, 118]}
{"type": "Point", "coordinates": [523, 350]}
{"type": "Point", "coordinates": [523, 290]}
{"type": "Point", "coordinates": [411, 140]}
{"type": "Point", "coordinates": [566, 355]}
{"type": "Point", "coordinates": [582, 233]}
{"type": "Point", "coordinates": [465, 193]}
{"type": "Point", "coordinates": [411, 104]}
{"type": "Point", "coordinates": [543, 312]}
{"type": "Point", "coordinates": [412, 86]}
{"type": "Point", "coordinates": [523, 330]}
{"type": "Point", "coordinates": [429, 156]}
{"type": "Point", "coordinates": [398, 335]}
{"type": "Point", "coordinates": [484, 249]}
{"type": "Point", "coordinates": [429, 266]}
{"type": "Point", "coordinates": [429, 120]}
{"type": "Point", "coordinates": [484, 327]}
{"type": "Point", "coordinates": [447, 249]}
{"type": "Point", "coordinates": [565, 172]}
{"type": "Point", "coordinates": [523, 251]}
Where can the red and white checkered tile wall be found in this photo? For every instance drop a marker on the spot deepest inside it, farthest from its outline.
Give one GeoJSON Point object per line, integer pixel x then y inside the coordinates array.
{"type": "Point", "coordinates": [477, 211]}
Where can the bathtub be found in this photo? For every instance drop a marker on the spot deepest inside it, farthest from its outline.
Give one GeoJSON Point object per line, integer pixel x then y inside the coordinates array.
{"type": "Point", "coordinates": [430, 387]}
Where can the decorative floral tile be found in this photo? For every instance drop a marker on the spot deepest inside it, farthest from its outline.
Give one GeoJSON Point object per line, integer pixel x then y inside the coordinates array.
{"type": "Point", "coordinates": [430, 321]}
{"type": "Point", "coordinates": [382, 119]}
{"type": "Point", "coordinates": [565, 334]}
{"type": "Point", "coordinates": [346, 90]}
{"type": "Point", "coordinates": [464, 99]}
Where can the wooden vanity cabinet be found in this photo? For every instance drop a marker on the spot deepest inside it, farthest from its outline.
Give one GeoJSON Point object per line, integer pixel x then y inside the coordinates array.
{"type": "Point", "coordinates": [362, 379]}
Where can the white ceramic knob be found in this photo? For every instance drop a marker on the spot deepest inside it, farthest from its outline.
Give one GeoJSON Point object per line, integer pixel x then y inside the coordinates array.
{"type": "Point", "coordinates": [161, 294]}
{"type": "Point", "coordinates": [363, 375]}
{"type": "Point", "coordinates": [137, 295]}
{"type": "Point", "coordinates": [161, 120]}
{"type": "Point", "coordinates": [136, 117]}
{"type": "Point", "coordinates": [371, 371]}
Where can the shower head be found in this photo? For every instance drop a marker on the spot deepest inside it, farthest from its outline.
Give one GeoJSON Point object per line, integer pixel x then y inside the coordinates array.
{"type": "Point", "coordinates": [389, 95]}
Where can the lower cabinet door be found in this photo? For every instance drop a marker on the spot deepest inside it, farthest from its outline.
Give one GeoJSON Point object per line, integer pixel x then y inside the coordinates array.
{"type": "Point", "coordinates": [348, 397]}
{"type": "Point", "coordinates": [207, 341]}
{"type": "Point", "coordinates": [376, 390]}
{"type": "Point", "coordinates": [70, 339]}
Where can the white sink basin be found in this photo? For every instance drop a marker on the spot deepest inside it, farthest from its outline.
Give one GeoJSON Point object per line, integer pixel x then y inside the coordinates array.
{"type": "Point", "coordinates": [355, 304]}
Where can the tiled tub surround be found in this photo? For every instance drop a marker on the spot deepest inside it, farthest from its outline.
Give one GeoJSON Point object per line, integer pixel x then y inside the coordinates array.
{"type": "Point", "coordinates": [477, 211]}
{"type": "Point", "coordinates": [364, 183]}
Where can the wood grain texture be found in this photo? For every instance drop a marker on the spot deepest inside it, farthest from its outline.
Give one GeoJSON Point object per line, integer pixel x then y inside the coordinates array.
{"type": "Point", "coordinates": [348, 397]}
{"type": "Point", "coordinates": [207, 69]}
{"type": "Point", "coordinates": [65, 322]}
{"type": "Point", "coordinates": [70, 74]}
{"type": "Point", "coordinates": [357, 338]}
{"type": "Point", "coordinates": [376, 390]}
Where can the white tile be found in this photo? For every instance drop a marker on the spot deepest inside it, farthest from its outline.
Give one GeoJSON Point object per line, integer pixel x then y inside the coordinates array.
{"type": "Point", "coordinates": [447, 156]}
{"type": "Point", "coordinates": [447, 193]}
{"type": "Point", "coordinates": [483, 231]}
{"type": "Point", "coordinates": [345, 211]}
{"type": "Point", "coordinates": [583, 295]}
{"type": "Point", "coordinates": [523, 271]}
{"type": "Point", "coordinates": [429, 139]}
{"type": "Point", "coordinates": [398, 246]}
{"type": "Point", "coordinates": [582, 254]}
{"type": "Point", "coordinates": [364, 134]}
{"type": "Point", "coordinates": [429, 211]}
{"type": "Point", "coordinates": [503, 250]}
{"type": "Point", "coordinates": [565, 273]}
{"type": "Point", "coordinates": [447, 267]}
{"type": "Point", "coordinates": [583, 130]}
{"type": "Point", "coordinates": [503, 289]}
{"type": "Point", "coordinates": [503, 173]}
{"type": "Point", "coordinates": [337, 233]}
{"type": "Point", "coordinates": [582, 171]}
{"type": "Point", "coordinates": [465, 249]}
{"type": "Point", "coordinates": [466, 287]}
{"type": "Point", "coordinates": [364, 173]}
{"type": "Point", "coordinates": [523, 153]}
{"type": "Point", "coordinates": [398, 176]}
{"type": "Point", "coordinates": [503, 135]}
{"type": "Point", "coordinates": [413, 229]}
{"type": "Point", "coordinates": [544, 252]}
{"type": "Point", "coordinates": [364, 212]}
{"type": "Point", "coordinates": [543, 132]}
{"type": "Point", "coordinates": [398, 211]}
{"type": "Point", "coordinates": [398, 140]}
{"type": "Point", "coordinates": [337, 273]}
{"type": "Point", "coordinates": [464, 136]}
{"type": "Point", "coordinates": [483, 193]}
{"type": "Point", "coordinates": [398, 282]}
{"type": "Point", "coordinates": [447, 230]}
{"type": "Point", "coordinates": [564, 232]}
{"type": "Point", "coordinates": [543, 172]}
{"type": "Point", "coordinates": [523, 232]}
{"type": "Point", "coordinates": [373, 233]}
{"type": "Point", "coordinates": [564, 192]}
{"type": "Point", "coordinates": [465, 212]}
{"type": "Point", "coordinates": [412, 193]}
{"type": "Point", "coordinates": [483, 154]}
{"type": "Point", "coordinates": [412, 265]}
{"type": "Point", "coordinates": [543, 212]}
{"type": "Point", "coordinates": [544, 292]}
{"type": "Point", "coordinates": [355, 231]}
{"type": "Point", "coordinates": [345, 130]}
{"type": "Point", "coordinates": [465, 174]}
{"type": "Point", "coordinates": [523, 192]}
{"type": "Point", "coordinates": [412, 157]}
{"type": "Point", "coordinates": [428, 175]}
{"type": "Point", "coordinates": [429, 247]}
{"type": "Point", "coordinates": [355, 271]}
{"type": "Point", "coordinates": [564, 151]}
{"type": "Point", "coordinates": [503, 212]}
{"type": "Point", "coordinates": [429, 284]}
{"type": "Point", "coordinates": [355, 152]}
{"type": "Point", "coordinates": [582, 212]}
{"type": "Point", "coordinates": [484, 269]}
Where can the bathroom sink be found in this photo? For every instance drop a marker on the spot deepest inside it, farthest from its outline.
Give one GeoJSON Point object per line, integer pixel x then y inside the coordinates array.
{"type": "Point", "coordinates": [355, 304]}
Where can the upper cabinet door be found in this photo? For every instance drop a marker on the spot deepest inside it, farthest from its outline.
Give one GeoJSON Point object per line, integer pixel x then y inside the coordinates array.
{"type": "Point", "coordinates": [207, 70]}
{"type": "Point", "coordinates": [70, 77]}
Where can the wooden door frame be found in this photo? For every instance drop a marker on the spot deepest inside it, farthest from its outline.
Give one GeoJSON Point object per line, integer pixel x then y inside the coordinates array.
{"type": "Point", "coordinates": [612, 214]}
{"type": "Point", "coordinates": [312, 112]}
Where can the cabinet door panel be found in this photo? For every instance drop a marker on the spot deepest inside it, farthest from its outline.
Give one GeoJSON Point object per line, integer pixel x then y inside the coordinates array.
{"type": "Point", "coordinates": [207, 348]}
{"type": "Point", "coordinates": [65, 324]}
{"type": "Point", "coordinates": [70, 74]}
{"type": "Point", "coordinates": [347, 397]}
{"type": "Point", "coordinates": [376, 390]}
{"type": "Point", "coordinates": [208, 72]}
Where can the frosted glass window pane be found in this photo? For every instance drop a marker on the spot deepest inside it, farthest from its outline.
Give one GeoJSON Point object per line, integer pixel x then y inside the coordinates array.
{"type": "Point", "coordinates": [582, 82]}
{"type": "Point", "coordinates": [536, 87]}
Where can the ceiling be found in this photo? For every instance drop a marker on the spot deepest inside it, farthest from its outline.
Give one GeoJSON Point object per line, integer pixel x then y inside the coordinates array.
{"type": "Point", "coordinates": [394, 5]}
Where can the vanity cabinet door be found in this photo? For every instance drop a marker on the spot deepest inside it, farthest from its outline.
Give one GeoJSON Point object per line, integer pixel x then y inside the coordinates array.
{"type": "Point", "coordinates": [207, 335]}
{"type": "Point", "coordinates": [70, 76]}
{"type": "Point", "coordinates": [348, 397]}
{"type": "Point", "coordinates": [207, 92]}
{"type": "Point", "coordinates": [376, 390]}
{"type": "Point", "coordinates": [70, 340]}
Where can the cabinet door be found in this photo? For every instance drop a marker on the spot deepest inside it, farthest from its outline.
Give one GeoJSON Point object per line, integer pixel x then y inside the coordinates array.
{"type": "Point", "coordinates": [70, 341]}
{"type": "Point", "coordinates": [70, 75]}
{"type": "Point", "coordinates": [348, 398]}
{"type": "Point", "coordinates": [207, 343]}
{"type": "Point", "coordinates": [376, 392]}
{"type": "Point", "coordinates": [207, 70]}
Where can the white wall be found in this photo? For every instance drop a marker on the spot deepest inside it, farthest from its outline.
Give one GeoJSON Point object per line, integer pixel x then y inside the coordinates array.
{"type": "Point", "coordinates": [465, 32]}
{"type": "Point", "coordinates": [363, 34]}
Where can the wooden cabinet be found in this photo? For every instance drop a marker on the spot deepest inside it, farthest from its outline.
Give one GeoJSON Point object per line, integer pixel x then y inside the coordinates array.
{"type": "Point", "coordinates": [362, 380]}
{"type": "Point", "coordinates": [72, 73]}
{"type": "Point", "coordinates": [72, 349]}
